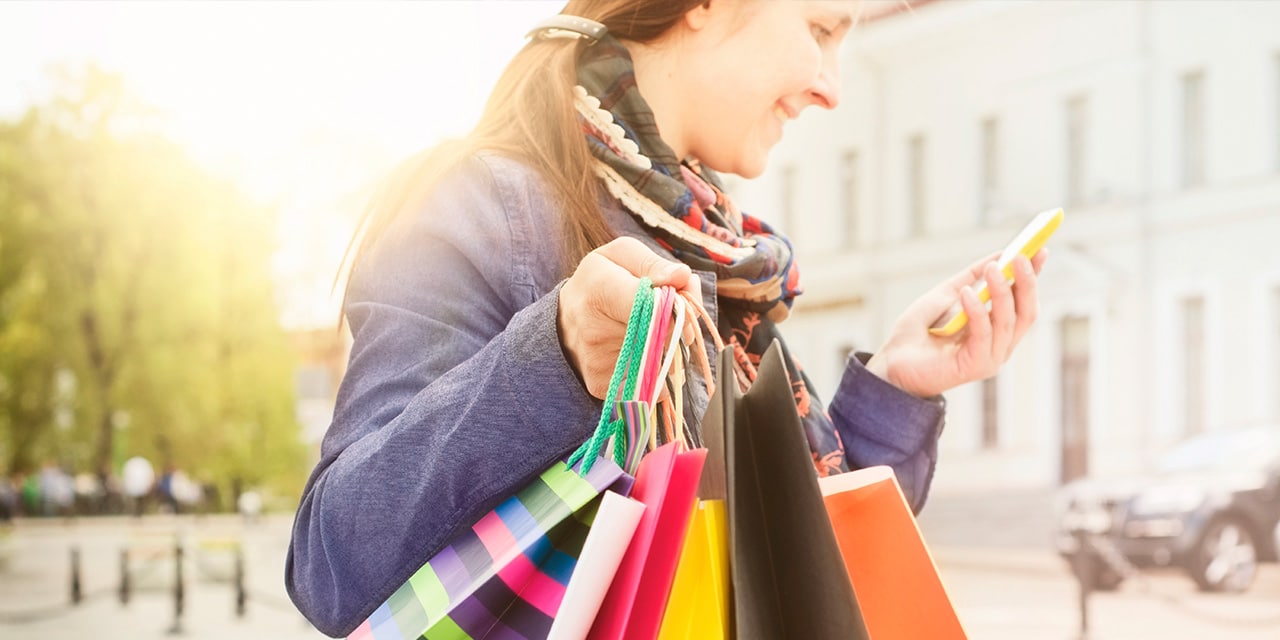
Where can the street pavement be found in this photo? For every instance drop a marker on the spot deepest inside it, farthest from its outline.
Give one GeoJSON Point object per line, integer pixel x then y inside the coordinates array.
{"type": "Point", "coordinates": [1000, 592]}
{"type": "Point", "coordinates": [995, 555]}
{"type": "Point", "coordinates": [1005, 594]}
{"type": "Point", "coordinates": [36, 580]}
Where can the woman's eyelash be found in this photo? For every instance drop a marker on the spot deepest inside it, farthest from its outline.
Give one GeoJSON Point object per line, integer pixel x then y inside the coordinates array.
{"type": "Point", "coordinates": [821, 32]}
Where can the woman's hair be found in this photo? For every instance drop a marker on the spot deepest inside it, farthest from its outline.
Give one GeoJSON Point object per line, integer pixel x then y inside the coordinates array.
{"type": "Point", "coordinates": [530, 117]}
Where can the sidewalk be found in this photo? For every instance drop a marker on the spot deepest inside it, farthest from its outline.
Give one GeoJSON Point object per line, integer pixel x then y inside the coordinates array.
{"type": "Point", "coordinates": [1017, 561]}
{"type": "Point", "coordinates": [35, 584]}
{"type": "Point", "coordinates": [1021, 519]}
{"type": "Point", "coordinates": [1000, 593]}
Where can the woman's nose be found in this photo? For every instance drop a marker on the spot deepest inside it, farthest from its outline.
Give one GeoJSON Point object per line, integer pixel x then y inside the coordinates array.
{"type": "Point", "coordinates": [825, 91]}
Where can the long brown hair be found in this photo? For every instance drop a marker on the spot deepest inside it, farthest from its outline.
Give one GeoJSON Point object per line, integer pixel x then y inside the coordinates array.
{"type": "Point", "coordinates": [529, 116]}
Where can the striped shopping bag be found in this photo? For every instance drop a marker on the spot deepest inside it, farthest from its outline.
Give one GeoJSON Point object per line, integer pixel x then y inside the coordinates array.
{"type": "Point", "coordinates": [506, 576]}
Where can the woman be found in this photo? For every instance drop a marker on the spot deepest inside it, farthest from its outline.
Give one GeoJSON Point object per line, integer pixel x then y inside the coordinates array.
{"type": "Point", "coordinates": [476, 362]}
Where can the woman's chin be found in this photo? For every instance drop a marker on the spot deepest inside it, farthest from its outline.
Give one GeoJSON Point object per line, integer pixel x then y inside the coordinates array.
{"type": "Point", "coordinates": [751, 168]}
{"type": "Point", "coordinates": [747, 167]}
{"type": "Point", "coordinates": [745, 164]}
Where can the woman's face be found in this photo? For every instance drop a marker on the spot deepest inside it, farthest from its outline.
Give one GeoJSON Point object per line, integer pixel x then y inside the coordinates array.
{"type": "Point", "coordinates": [753, 66]}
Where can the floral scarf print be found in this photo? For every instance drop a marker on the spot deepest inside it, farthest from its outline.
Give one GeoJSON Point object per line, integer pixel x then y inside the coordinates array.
{"type": "Point", "coordinates": [683, 207]}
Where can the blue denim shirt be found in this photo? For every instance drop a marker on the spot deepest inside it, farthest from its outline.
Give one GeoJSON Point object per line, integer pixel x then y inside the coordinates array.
{"type": "Point", "coordinates": [458, 392]}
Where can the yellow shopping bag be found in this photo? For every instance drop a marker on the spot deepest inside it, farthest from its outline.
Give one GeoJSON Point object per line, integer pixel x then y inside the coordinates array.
{"type": "Point", "coordinates": [699, 603]}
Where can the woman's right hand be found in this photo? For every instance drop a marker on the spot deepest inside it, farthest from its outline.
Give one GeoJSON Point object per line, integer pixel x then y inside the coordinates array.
{"type": "Point", "coordinates": [595, 304]}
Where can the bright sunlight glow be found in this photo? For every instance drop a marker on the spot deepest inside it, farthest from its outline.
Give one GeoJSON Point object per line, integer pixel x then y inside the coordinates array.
{"type": "Point", "coordinates": [304, 104]}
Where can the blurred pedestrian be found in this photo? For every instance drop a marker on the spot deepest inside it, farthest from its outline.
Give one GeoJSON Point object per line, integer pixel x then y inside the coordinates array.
{"type": "Point", "coordinates": [138, 479]}
{"type": "Point", "coordinates": [57, 490]}
{"type": "Point", "coordinates": [31, 501]}
{"type": "Point", "coordinates": [250, 506]}
{"type": "Point", "coordinates": [8, 500]}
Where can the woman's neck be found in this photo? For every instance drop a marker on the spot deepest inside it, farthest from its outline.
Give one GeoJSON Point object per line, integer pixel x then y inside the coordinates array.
{"type": "Point", "coordinates": [657, 78]}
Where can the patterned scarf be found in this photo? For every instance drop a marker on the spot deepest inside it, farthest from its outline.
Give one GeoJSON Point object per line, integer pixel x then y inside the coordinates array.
{"type": "Point", "coordinates": [682, 205]}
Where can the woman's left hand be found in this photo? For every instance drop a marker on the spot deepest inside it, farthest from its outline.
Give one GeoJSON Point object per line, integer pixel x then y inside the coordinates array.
{"type": "Point", "coordinates": [925, 365]}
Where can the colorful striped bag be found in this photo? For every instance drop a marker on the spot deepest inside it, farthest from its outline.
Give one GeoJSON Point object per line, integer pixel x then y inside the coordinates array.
{"type": "Point", "coordinates": [506, 576]}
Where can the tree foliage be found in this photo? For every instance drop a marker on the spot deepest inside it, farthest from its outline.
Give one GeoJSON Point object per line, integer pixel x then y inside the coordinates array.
{"type": "Point", "coordinates": [137, 315]}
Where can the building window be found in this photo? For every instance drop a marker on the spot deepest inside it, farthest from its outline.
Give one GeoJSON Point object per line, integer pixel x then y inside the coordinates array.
{"type": "Point", "coordinates": [1275, 349]}
{"type": "Point", "coordinates": [1191, 314]}
{"type": "Point", "coordinates": [1276, 92]}
{"type": "Point", "coordinates": [1193, 138]}
{"type": "Point", "coordinates": [1074, 333]}
{"type": "Point", "coordinates": [916, 186]}
{"type": "Point", "coordinates": [989, 168]}
{"type": "Point", "coordinates": [990, 413]}
{"type": "Point", "coordinates": [1077, 109]}
{"type": "Point", "coordinates": [849, 190]}
{"type": "Point", "coordinates": [787, 210]}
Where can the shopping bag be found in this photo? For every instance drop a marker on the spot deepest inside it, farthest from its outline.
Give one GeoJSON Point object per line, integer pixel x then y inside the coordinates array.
{"type": "Point", "coordinates": [666, 483]}
{"type": "Point", "coordinates": [610, 534]}
{"type": "Point", "coordinates": [789, 579]}
{"type": "Point", "coordinates": [506, 576]}
{"type": "Point", "coordinates": [898, 586]}
{"type": "Point", "coordinates": [698, 606]}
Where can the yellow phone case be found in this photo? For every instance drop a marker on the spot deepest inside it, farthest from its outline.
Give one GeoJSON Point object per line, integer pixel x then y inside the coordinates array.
{"type": "Point", "coordinates": [1028, 242]}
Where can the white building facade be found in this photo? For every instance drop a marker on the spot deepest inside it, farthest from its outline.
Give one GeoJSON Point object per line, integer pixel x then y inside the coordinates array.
{"type": "Point", "coordinates": [1155, 125]}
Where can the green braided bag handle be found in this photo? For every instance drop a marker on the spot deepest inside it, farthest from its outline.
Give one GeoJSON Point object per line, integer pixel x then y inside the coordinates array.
{"type": "Point", "coordinates": [625, 374]}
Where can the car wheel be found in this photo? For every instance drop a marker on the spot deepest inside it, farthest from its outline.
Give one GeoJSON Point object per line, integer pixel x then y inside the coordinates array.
{"type": "Point", "coordinates": [1226, 559]}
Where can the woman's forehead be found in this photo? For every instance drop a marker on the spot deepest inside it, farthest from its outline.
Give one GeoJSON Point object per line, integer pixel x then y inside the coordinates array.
{"type": "Point", "coordinates": [843, 11]}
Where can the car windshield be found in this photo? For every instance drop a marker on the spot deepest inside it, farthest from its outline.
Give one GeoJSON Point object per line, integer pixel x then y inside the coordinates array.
{"type": "Point", "coordinates": [1223, 450]}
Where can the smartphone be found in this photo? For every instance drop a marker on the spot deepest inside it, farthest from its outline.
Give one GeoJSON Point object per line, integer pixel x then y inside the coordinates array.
{"type": "Point", "coordinates": [1027, 243]}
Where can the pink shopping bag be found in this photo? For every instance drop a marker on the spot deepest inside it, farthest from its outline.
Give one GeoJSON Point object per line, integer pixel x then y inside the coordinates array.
{"type": "Point", "coordinates": [667, 484]}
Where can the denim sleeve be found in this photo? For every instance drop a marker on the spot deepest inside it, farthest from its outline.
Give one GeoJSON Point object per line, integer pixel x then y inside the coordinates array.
{"type": "Point", "coordinates": [881, 424]}
{"type": "Point", "coordinates": [457, 393]}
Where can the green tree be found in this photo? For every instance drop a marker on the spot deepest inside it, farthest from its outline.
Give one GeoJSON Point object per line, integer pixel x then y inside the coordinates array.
{"type": "Point", "coordinates": [135, 273]}
{"type": "Point", "coordinates": [27, 392]}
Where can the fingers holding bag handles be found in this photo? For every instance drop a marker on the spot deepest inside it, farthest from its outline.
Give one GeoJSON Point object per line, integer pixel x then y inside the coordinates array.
{"type": "Point", "coordinates": [595, 303]}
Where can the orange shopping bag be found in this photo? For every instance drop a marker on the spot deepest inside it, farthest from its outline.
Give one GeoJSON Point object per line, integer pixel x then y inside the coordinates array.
{"type": "Point", "coordinates": [897, 582]}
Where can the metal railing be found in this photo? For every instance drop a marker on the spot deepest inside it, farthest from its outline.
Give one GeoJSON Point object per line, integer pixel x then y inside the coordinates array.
{"type": "Point", "coordinates": [138, 563]}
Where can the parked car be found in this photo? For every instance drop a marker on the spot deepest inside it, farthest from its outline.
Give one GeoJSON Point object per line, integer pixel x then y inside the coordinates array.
{"type": "Point", "coordinates": [1212, 508]}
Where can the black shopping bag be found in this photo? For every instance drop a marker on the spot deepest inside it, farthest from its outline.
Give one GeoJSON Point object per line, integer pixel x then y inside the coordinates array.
{"type": "Point", "coordinates": [789, 579]}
